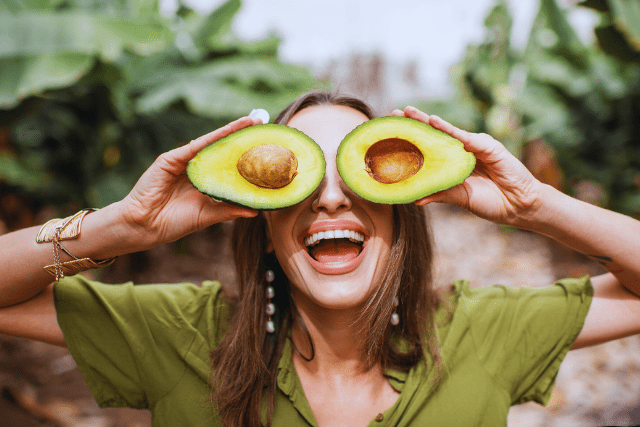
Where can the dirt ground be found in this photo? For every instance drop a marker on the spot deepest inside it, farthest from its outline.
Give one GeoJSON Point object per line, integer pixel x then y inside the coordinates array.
{"type": "Point", "coordinates": [41, 385]}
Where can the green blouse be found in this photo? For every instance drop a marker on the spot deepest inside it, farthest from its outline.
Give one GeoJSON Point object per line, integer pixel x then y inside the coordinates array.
{"type": "Point", "coordinates": [147, 346]}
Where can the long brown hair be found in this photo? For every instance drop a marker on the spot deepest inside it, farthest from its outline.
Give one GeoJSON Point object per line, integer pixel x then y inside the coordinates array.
{"type": "Point", "coordinates": [246, 361]}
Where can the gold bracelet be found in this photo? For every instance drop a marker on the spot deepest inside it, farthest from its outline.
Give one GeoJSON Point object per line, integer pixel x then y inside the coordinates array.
{"type": "Point", "coordinates": [68, 228]}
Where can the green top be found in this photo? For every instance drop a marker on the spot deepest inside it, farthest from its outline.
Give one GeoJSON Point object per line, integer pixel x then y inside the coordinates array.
{"type": "Point", "coordinates": [147, 346]}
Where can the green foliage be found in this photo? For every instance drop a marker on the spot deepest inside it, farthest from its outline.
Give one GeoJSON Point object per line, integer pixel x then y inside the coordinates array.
{"type": "Point", "coordinates": [92, 91]}
{"type": "Point", "coordinates": [584, 101]}
{"type": "Point", "coordinates": [619, 30]}
{"type": "Point", "coordinates": [586, 104]}
{"type": "Point", "coordinates": [484, 84]}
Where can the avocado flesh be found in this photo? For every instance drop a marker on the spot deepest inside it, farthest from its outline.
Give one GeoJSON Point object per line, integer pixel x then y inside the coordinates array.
{"type": "Point", "coordinates": [214, 170]}
{"type": "Point", "coordinates": [427, 160]}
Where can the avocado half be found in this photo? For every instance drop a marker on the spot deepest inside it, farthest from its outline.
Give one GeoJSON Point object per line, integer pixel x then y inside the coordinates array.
{"type": "Point", "coordinates": [261, 167]}
{"type": "Point", "coordinates": [396, 160]}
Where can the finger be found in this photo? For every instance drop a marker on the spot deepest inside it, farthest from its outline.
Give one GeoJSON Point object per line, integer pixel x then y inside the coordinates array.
{"type": "Point", "coordinates": [473, 142]}
{"type": "Point", "coordinates": [433, 198]}
{"type": "Point", "coordinates": [425, 201]}
{"type": "Point", "coordinates": [414, 113]}
{"type": "Point", "coordinates": [187, 152]}
{"type": "Point", "coordinates": [397, 113]}
{"type": "Point", "coordinates": [236, 212]}
{"type": "Point", "coordinates": [222, 211]}
{"type": "Point", "coordinates": [241, 210]}
{"type": "Point", "coordinates": [457, 196]}
{"type": "Point", "coordinates": [201, 142]}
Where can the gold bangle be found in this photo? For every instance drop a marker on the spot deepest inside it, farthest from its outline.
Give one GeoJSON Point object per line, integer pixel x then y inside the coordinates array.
{"type": "Point", "coordinates": [76, 266]}
{"type": "Point", "coordinates": [68, 228]}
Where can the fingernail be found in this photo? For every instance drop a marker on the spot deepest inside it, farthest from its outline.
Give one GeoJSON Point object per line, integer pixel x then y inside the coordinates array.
{"type": "Point", "coordinates": [259, 113]}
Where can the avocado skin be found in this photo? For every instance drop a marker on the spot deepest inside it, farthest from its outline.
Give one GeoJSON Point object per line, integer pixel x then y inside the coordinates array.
{"type": "Point", "coordinates": [213, 171]}
{"type": "Point", "coordinates": [446, 163]}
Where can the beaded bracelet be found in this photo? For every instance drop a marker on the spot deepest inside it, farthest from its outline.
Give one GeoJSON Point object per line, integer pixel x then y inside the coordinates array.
{"type": "Point", "coordinates": [57, 230]}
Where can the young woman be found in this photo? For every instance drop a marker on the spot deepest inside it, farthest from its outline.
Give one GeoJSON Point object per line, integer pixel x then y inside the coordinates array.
{"type": "Point", "coordinates": [357, 336]}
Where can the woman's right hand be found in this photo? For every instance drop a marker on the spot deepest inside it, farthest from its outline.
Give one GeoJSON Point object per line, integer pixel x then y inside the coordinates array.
{"type": "Point", "coordinates": [164, 206]}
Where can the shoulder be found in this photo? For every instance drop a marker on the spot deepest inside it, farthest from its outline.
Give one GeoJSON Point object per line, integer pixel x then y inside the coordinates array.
{"type": "Point", "coordinates": [461, 298]}
{"type": "Point", "coordinates": [201, 306]}
{"type": "Point", "coordinates": [506, 317]}
{"type": "Point", "coordinates": [517, 336]}
{"type": "Point", "coordinates": [121, 336]}
{"type": "Point", "coordinates": [163, 295]}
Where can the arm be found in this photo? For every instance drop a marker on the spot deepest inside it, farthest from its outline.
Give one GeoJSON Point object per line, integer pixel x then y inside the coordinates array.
{"type": "Point", "coordinates": [162, 207]}
{"type": "Point", "coordinates": [609, 238]}
{"type": "Point", "coordinates": [502, 190]}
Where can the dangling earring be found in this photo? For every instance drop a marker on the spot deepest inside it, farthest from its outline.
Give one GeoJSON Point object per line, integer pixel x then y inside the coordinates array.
{"type": "Point", "coordinates": [395, 317]}
{"type": "Point", "coordinates": [271, 308]}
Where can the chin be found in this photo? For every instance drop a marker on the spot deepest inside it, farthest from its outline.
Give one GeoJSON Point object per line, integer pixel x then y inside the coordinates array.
{"type": "Point", "coordinates": [339, 292]}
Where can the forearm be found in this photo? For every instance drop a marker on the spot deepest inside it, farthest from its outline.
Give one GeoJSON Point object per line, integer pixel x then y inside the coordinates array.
{"type": "Point", "coordinates": [103, 235]}
{"type": "Point", "coordinates": [610, 238]}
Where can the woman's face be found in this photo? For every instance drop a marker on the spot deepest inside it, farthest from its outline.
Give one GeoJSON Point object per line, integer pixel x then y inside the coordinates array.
{"type": "Point", "coordinates": [333, 271]}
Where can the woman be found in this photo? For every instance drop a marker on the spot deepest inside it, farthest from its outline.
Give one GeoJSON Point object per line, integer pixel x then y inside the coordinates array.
{"type": "Point", "coordinates": [338, 354]}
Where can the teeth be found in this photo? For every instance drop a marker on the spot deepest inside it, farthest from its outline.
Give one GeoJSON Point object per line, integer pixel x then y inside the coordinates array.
{"type": "Point", "coordinates": [354, 236]}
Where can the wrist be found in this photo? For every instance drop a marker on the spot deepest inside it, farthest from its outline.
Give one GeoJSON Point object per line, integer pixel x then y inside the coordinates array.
{"type": "Point", "coordinates": [105, 234]}
{"type": "Point", "coordinates": [58, 230]}
{"type": "Point", "coordinates": [551, 209]}
{"type": "Point", "coordinates": [537, 214]}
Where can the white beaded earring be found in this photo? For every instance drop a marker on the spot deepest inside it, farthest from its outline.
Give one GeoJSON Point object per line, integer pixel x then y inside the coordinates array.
{"type": "Point", "coordinates": [271, 308]}
{"type": "Point", "coordinates": [395, 317]}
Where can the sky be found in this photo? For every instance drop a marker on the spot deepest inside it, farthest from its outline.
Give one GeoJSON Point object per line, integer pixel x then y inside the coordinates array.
{"type": "Point", "coordinates": [432, 33]}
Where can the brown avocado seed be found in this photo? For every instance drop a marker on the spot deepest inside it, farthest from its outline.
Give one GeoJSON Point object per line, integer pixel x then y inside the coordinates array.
{"type": "Point", "coordinates": [393, 160]}
{"type": "Point", "coordinates": [268, 166]}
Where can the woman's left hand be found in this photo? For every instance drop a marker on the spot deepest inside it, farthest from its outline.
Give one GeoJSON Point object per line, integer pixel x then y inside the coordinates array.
{"type": "Point", "coordinates": [500, 189]}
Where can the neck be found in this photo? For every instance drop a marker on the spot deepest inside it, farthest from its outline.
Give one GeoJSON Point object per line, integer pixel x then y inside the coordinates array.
{"type": "Point", "coordinates": [337, 375]}
{"type": "Point", "coordinates": [338, 344]}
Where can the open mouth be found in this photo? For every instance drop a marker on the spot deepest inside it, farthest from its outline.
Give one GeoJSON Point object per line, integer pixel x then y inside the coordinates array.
{"type": "Point", "coordinates": [334, 246]}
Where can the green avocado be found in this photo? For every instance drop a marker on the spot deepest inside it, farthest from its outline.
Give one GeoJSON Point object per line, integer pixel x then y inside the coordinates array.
{"type": "Point", "coordinates": [261, 167]}
{"type": "Point", "coordinates": [396, 160]}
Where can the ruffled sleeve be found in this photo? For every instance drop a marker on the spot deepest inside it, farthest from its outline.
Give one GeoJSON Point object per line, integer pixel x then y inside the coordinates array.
{"type": "Point", "coordinates": [133, 343]}
{"type": "Point", "coordinates": [521, 335]}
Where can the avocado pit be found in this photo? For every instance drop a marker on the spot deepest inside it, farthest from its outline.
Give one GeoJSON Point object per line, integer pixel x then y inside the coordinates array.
{"type": "Point", "coordinates": [393, 160]}
{"type": "Point", "coordinates": [268, 166]}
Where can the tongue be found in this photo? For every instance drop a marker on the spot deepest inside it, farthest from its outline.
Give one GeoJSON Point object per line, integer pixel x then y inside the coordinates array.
{"type": "Point", "coordinates": [335, 250]}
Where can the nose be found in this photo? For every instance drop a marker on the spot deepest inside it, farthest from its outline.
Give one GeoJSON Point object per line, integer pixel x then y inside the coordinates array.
{"type": "Point", "coordinates": [330, 196]}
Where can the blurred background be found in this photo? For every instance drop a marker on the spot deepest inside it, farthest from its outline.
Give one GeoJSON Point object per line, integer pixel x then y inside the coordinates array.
{"type": "Point", "coordinates": [92, 91]}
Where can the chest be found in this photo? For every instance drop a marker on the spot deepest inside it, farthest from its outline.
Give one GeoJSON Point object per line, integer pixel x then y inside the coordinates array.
{"type": "Point", "coordinates": [465, 396]}
{"type": "Point", "coordinates": [349, 405]}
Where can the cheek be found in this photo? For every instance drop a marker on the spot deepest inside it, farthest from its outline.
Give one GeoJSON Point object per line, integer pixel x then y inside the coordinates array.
{"type": "Point", "coordinates": [382, 217]}
{"type": "Point", "coordinates": [280, 225]}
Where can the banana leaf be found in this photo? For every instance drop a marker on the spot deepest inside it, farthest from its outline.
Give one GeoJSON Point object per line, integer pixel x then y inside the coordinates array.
{"type": "Point", "coordinates": [24, 76]}
{"type": "Point", "coordinates": [626, 17]}
{"type": "Point", "coordinates": [227, 87]}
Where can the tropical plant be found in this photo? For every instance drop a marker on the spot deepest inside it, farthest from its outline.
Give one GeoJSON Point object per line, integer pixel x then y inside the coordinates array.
{"type": "Point", "coordinates": [586, 103]}
{"type": "Point", "coordinates": [483, 83]}
{"type": "Point", "coordinates": [582, 100]}
{"type": "Point", "coordinates": [92, 91]}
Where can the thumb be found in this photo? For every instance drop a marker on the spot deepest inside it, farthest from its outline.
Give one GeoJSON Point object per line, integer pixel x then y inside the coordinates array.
{"type": "Point", "coordinates": [483, 146]}
{"type": "Point", "coordinates": [457, 196]}
{"type": "Point", "coordinates": [218, 211]}
{"type": "Point", "coordinates": [183, 154]}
